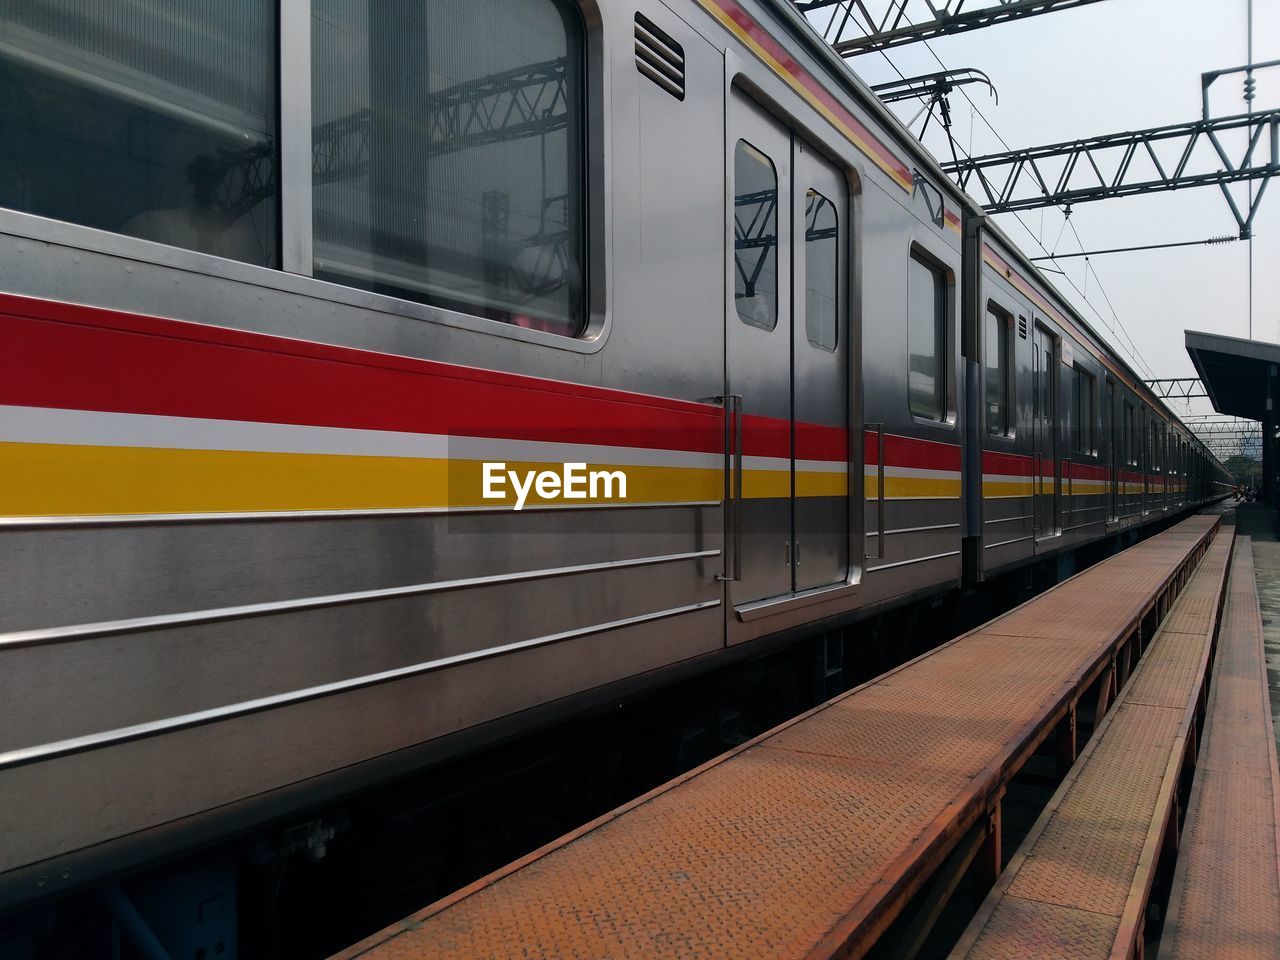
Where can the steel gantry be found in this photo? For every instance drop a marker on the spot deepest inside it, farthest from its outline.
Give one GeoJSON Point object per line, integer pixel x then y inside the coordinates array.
{"type": "Point", "coordinates": [852, 28]}
{"type": "Point", "coordinates": [1177, 388]}
{"type": "Point", "coordinates": [1073, 171]}
{"type": "Point", "coordinates": [1227, 435]}
{"type": "Point", "coordinates": [1133, 162]}
{"type": "Point", "coordinates": [1228, 431]}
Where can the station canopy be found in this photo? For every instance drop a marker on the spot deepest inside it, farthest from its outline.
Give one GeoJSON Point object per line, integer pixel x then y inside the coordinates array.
{"type": "Point", "coordinates": [1236, 373]}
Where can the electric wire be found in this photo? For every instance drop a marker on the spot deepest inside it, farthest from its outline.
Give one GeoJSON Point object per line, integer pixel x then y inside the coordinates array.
{"type": "Point", "coordinates": [1130, 347]}
{"type": "Point", "coordinates": [1144, 246]}
{"type": "Point", "coordinates": [1134, 353]}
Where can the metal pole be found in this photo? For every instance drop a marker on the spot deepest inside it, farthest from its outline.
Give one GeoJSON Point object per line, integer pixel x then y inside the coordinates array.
{"type": "Point", "coordinates": [1248, 98]}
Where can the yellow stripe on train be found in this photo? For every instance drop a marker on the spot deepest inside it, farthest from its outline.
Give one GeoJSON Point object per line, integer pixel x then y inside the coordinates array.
{"type": "Point", "coordinates": [82, 480]}
{"type": "Point", "coordinates": [77, 480]}
{"type": "Point", "coordinates": [913, 488]}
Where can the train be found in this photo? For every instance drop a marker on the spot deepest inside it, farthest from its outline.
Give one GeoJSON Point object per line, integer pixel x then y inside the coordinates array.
{"type": "Point", "coordinates": [377, 379]}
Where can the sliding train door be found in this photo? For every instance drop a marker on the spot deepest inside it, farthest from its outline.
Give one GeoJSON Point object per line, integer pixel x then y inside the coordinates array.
{"type": "Point", "coordinates": [1114, 451]}
{"type": "Point", "coordinates": [820, 373]}
{"type": "Point", "coordinates": [786, 367]}
{"type": "Point", "coordinates": [758, 343]}
{"type": "Point", "coordinates": [1044, 372]}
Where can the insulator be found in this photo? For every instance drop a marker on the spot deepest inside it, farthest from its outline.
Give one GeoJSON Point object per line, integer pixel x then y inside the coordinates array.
{"type": "Point", "coordinates": [1250, 86]}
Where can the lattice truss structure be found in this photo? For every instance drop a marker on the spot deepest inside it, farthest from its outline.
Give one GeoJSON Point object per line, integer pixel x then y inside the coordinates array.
{"type": "Point", "coordinates": [1177, 388]}
{"type": "Point", "coordinates": [853, 27]}
{"type": "Point", "coordinates": [1074, 171]}
{"type": "Point", "coordinates": [1129, 163]}
{"type": "Point", "coordinates": [1227, 436]}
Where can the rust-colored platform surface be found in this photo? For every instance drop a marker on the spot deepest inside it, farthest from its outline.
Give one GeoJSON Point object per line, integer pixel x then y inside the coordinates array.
{"type": "Point", "coordinates": [1225, 900]}
{"type": "Point", "coordinates": [1078, 886]}
{"type": "Point", "coordinates": [807, 841]}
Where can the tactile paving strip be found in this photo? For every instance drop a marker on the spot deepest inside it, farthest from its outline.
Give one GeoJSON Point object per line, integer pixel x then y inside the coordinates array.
{"type": "Point", "coordinates": [815, 832]}
{"type": "Point", "coordinates": [1084, 856]}
{"type": "Point", "coordinates": [1225, 900]}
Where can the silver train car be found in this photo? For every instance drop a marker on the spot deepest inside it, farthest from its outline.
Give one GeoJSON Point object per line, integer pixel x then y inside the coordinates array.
{"type": "Point", "coordinates": [294, 300]}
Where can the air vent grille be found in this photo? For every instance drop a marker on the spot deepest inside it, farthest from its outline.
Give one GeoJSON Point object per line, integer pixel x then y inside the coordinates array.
{"type": "Point", "coordinates": [659, 57]}
{"type": "Point", "coordinates": [1022, 328]}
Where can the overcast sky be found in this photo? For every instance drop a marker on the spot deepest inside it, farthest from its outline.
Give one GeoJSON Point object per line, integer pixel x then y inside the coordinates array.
{"type": "Point", "coordinates": [1107, 67]}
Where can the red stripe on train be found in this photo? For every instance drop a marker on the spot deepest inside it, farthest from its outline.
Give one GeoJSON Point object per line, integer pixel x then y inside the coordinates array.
{"type": "Point", "coordinates": [1008, 464]}
{"type": "Point", "coordinates": [902, 451]}
{"type": "Point", "coordinates": [1087, 471]}
{"type": "Point", "coordinates": [68, 356]}
{"type": "Point", "coordinates": [771, 437]}
{"type": "Point", "coordinates": [73, 357]}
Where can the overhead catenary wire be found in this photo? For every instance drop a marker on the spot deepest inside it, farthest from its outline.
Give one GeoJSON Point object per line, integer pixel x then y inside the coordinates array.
{"type": "Point", "coordinates": [1123, 339]}
{"type": "Point", "coordinates": [1132, 349]}
{"type": "Point", "coordinates": [1144, 246]}
{"type": "Point", "coordinates": [1114, 314]}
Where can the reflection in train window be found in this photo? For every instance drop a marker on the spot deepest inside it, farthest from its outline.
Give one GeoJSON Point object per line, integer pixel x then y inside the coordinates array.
{"type": "Point", "coordinates": [755, 237]}
{"type": "Point", "coordinates": [1082, 403]}
{"type": "Point", "coordinates": [821, 270]}
{"type": "Point", "coordinates": [926, 340]}
{"type": "Point", "coordinates": [998, 372]}
{"type": "Point", "coordinates": [447, 154]}
{"type": "Point", "coordinates": [144, 121]}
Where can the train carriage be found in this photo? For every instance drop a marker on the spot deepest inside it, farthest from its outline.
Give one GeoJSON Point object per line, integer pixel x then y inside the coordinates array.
{"type": "Point", "coordinates": [277, 284]}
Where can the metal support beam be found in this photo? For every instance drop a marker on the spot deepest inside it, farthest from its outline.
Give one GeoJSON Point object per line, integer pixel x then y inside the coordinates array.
{"type": "Point", "coordinates": [1226, 431]}
{"type": "Point", "coordinates": [851, 28]}
{"type": "Point", "coordinates": [1125, 164]}
{"type": "Point", "coordinates": [1177, 388]}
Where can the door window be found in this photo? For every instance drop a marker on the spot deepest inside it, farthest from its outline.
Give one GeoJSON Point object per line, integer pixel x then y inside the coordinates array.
{"type": "Point", "coordinates": [755, 237]}
{"type": "Point", "coordinates": [926, 340]}
{"type": "Point", "coordinates": [821, 270]}
{"type": "Point", "coordinates": [997, 372]}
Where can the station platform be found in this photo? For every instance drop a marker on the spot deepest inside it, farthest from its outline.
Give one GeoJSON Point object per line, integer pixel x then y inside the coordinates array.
{"type": "Point", "coordinates": [1225, 898]}
{"type": "Point", "coordinates": [1080, 885]}
{"type": "Point", "coordinates": [811, 839]}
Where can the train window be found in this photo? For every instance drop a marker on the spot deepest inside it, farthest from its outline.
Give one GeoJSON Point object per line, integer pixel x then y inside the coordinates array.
{"type": "Point", "coordinates": [998, 373]}
{"type": "Point", "coordinates": [448, 155]}
{"type": "Point", "coordinates": [755, 237]}
{"type": "Point", "coordinates": [136, 119]}
{"type": "Point", "coordinates": [926, 340]}
{"type": "Point", "coordinates": [1082, 407]}
{"type": "Point", "coordinates": [821, 270]}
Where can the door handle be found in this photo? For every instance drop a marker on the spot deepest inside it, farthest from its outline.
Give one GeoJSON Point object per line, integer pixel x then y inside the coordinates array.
{"type": "Point", "coordinates": [879, 553]}
{"type": "Point", "coordinates": [732, 566]}
{"type": "Point", "coordinates": [1070, 492]}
